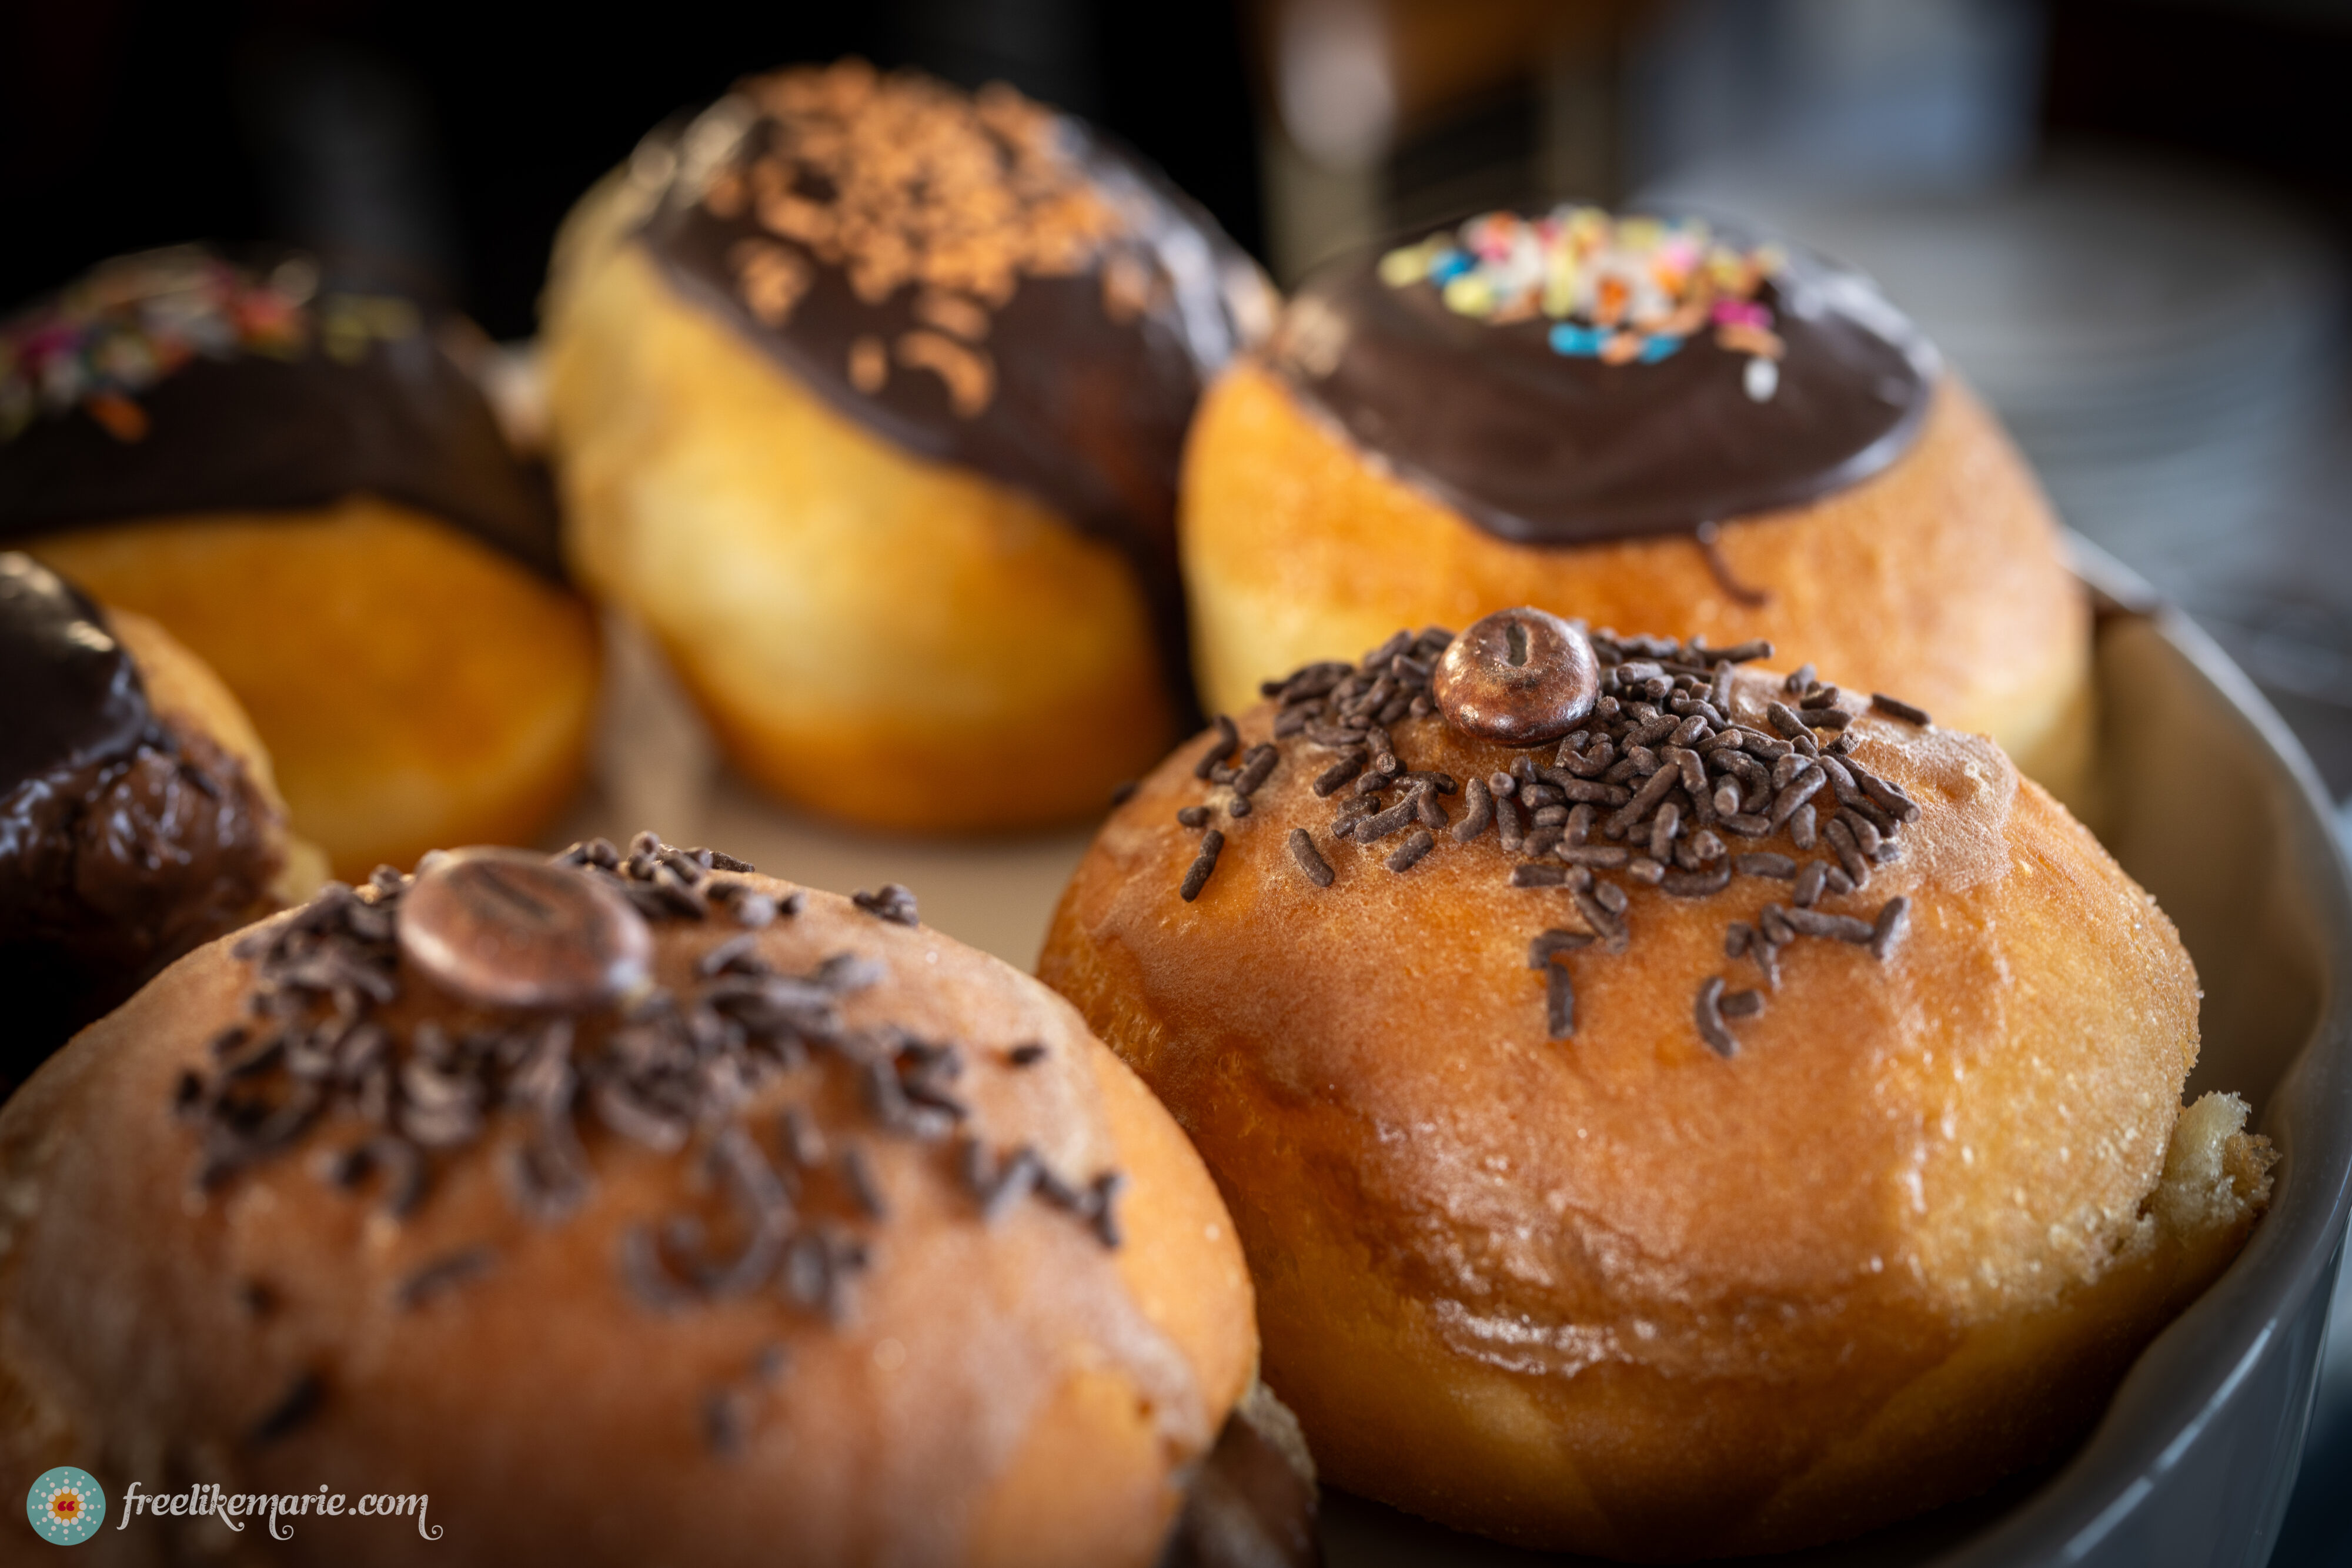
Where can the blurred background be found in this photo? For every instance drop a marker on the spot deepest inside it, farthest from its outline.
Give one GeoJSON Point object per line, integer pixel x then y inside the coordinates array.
{"type": "Point", "coordinates": [2125, 220]}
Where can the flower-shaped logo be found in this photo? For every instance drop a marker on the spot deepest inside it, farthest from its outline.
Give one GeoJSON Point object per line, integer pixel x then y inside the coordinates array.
{"type": "Point", "coordinates": [65, 1505]}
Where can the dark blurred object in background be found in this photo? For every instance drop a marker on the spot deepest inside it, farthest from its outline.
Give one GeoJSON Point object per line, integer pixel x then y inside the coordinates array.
{"type": "Point", "coordinates": [1385, 114]}
{"type": "Point", "coordinates": [438, 145]}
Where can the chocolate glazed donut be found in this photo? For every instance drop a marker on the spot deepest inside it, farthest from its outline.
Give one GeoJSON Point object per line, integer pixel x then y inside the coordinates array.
{"type": "Point", "coordinates": [867, 397]}
{"type": "Point", "coordinates": [1545, 447]}
{"type": "Point", "coordinates": [1633, 421]}
{"type": "Point", "coordinates": [125, 840]}
{"type": "Point", "coordinates": [378, 402]}
{"type": "Point", "coordinates": [1070, 373]}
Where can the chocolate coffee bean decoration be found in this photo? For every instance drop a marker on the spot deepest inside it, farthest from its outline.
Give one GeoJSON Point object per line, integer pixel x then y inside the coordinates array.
{"type": "Point", "coordinates": [1519, 676]}
{"type": "Point", "coordinates": [504, 928]}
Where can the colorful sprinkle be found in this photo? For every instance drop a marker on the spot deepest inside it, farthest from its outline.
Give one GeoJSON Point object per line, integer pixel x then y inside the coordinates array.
{"type": "Point", "coordinates": [1626, 291]}
{"type": "Point", "coordinates": [1567, 338]}
{"type": "Point", "coordinates": [128, 323]}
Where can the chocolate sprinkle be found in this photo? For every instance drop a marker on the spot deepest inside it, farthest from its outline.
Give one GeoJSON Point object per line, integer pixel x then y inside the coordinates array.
{"type": "Point", "coordinates": [1560, 1003]}
{"type": "Point", "coordinates": [1381, 824]}
{"type": "Point", "coordinates": [1840, 927]}
{"type": "Point", "coordinates": [1710, 536]}
{"type": "Point", "coordinates": [1311, 860]}
{"type": "Point", "coordinates": [1900, 710]}
{"type": "Point", "coordinates": [1225, 742]}
{"type": "Point", "coordinates": [858, 1174]}
{"type": "Point", "coordinates": [1697, 883]}
{"type": "Point", "coordinates": [1339, 772]}
{"type": "Point", "coordinates": [1420, 844]}
{"type": "Point", "coordinates": [1894, 920]}
{"type": "Point", "coordinates": [1849, 852]}
{"type": "Point", "coordinates": [1545, 944]}
{"type": "Point", "coordinates": [1707, 1012]}
{"type": "Point", "coordinates": [1741, 1004]}
{"type": "Point", "coordinates": [724, 1421]}
{"type": "Point", "coordinates": [443, 1274]}
{"type": "Point", "coordinates": [1480, 814]}
{"type": "Point", "coordinates": [1197, 877]}
{"type": "Point", "coordinates": [895, 903]}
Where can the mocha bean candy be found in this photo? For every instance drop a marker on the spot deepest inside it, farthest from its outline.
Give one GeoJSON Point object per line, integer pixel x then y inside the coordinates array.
{"type": "Point", "coordinates": [1522, 677]}
{"type": "Point", "coordinates": [505, 928]}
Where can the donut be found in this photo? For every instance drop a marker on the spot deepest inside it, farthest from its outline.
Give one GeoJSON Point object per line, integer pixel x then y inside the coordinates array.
{"type": "Point", "coordinates": [1635, 422]}
{"type": "Point", "coordinates": [298, 479]}
{"type": "Point", "coordinates": [598, 1201]}
{"type": "Point", "coordinates": [1646, 1170]}
{"type": "Point", "coordinates": [138, 816]}
{"type": "Point", "coordinates": [867, 397]}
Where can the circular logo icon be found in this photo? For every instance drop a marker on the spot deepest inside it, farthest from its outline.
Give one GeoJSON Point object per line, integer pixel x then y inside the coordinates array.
{"type": "Point", "coordinates": [65, 1505]}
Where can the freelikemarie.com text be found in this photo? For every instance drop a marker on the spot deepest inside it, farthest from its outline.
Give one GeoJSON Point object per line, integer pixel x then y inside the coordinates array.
{"type": "Point", "coordinates": [237, 1509]}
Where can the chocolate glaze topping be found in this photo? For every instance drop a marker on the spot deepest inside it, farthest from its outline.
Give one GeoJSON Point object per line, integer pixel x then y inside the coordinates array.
{"type": "Point", "coordinates": [74, 697]}
{"type": "Point", "coordinates": [1543, 447]}
{"type": "Point", "coordinates": [125, 839]}
{"type": "Point", "coordinates": [176, 381]}
{"type": "Point", "coordinates": [976, 277]}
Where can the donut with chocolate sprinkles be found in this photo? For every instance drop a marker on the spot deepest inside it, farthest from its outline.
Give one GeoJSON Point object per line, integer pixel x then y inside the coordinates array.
{"type": "Point", "coordinates": [1603, 1171]}
{"type": "Point", "coordinates": [803, 1177]}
